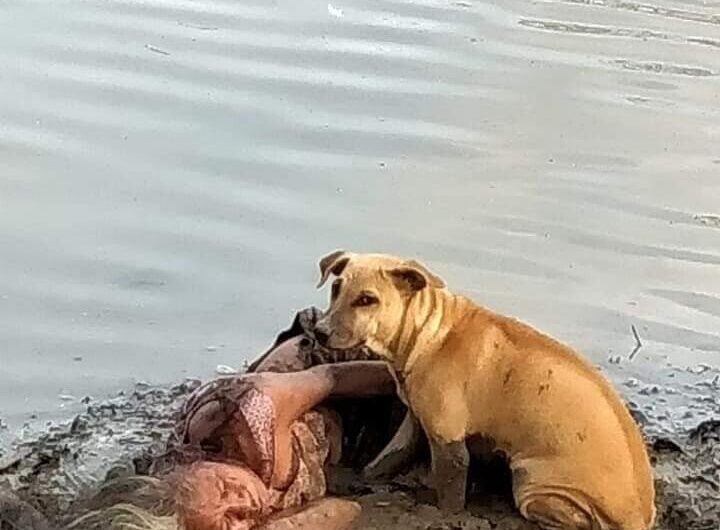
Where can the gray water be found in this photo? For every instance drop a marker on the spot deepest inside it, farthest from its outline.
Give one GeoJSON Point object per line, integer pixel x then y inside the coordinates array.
{"type": "Point", "coordinates": [171, 170]}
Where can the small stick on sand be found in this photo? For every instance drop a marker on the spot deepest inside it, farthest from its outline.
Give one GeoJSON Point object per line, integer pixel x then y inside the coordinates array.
{"type": "Point", "coordinates": [638, 343]}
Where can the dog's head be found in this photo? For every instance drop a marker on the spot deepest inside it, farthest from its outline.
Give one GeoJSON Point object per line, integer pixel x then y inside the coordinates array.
{"type": "Point", "coordinates": [369, 298]}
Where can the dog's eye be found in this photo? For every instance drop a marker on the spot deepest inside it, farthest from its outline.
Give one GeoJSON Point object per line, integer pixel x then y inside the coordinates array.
{"type": "Point", "coordinates": [365, 300]}
{"type": "Point", "coordinates": [335, 291]}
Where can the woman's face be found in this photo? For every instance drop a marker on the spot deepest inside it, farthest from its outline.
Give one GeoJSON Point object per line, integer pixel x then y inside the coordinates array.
{"type": "Point", "coordinates": [217, 496]}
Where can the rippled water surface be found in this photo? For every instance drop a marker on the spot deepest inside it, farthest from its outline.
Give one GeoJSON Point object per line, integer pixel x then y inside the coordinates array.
{"type": "Point", "coordinates": [170, 171]}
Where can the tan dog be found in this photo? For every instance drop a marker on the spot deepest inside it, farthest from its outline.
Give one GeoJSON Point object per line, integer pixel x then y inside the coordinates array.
{"type": "Point", "coordinates": [577, 457]}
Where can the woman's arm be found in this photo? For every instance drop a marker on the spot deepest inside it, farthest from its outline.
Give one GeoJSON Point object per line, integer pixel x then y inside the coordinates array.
{"type": "Point", "coordinates": [295, 393]}
{"type": "Point", "coordinates": [324, 514]}
{"type": "Point", "coordinates": [284, 357]}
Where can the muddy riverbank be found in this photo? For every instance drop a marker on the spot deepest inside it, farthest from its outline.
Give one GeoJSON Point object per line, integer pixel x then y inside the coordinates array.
{"type": "Point", "coordinates": [56, 471]}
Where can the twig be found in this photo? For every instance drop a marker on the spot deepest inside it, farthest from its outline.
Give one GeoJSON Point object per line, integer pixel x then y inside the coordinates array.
{"type": "Point", "coordinates": [638, 343]}
{"type": "Point", "coordinates": [155, 49]}
{"type": "Point", "coordinates": [198, 26]}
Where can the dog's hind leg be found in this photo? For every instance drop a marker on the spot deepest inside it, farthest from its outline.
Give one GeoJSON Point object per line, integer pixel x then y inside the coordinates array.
{"type": "Point", "coordinates": [557, 508]}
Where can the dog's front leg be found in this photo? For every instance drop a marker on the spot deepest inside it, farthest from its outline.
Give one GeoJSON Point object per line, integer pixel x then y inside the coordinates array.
{"type": "Point", "coordinates": [450, 462]}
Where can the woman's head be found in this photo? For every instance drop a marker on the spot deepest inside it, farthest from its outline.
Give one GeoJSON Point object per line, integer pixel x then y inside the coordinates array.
{"type": "Point", "coordinates": [217, 496]}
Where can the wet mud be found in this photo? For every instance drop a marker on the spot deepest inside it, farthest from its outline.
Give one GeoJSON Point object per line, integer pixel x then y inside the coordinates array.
{"type": "Point", "coordinates": [51, 479]}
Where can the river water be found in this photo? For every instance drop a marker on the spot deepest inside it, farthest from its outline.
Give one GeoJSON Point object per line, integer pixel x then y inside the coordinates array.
{"type": "Point", "coordinates": [171, 170]}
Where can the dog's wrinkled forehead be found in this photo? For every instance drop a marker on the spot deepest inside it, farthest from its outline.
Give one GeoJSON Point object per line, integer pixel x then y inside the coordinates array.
{"type": "Point", "coordinates": [362, 264]}
{"type": "Point", "coordinates": [352, 265]}
{"type": "Point", "coordinates": [368, 274]}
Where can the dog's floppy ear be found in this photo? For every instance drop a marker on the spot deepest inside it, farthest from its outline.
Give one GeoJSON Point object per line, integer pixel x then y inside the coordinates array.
{"type": "Point", "coordinates": [333, 263]}
{"type": "Point", "coordinates": [433, 280]}
{"type": "Point", "coordinates": [414, 276]}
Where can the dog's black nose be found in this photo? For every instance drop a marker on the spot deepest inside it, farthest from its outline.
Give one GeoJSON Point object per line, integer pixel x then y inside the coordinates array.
{"type": "Point", "coordinates": [322, 336]}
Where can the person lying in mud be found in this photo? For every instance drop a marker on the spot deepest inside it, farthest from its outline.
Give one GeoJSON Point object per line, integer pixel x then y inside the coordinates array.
{"type": "Point", "coordinates": [251, 451]}
{"type": "Point", "coordinates": [262, 444]}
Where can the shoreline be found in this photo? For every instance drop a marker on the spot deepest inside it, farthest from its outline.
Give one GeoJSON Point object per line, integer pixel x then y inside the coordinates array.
{"type": "Point", "coordinates": [116, 437]}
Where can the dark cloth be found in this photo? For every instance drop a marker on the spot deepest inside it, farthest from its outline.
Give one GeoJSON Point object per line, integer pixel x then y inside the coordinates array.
{"type": "Point", "coordinates": [312, 353]}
